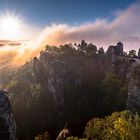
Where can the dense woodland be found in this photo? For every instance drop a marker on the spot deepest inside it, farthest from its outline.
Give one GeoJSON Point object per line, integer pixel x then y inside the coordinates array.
{"type": "Point", "coordinates": [65, 87]}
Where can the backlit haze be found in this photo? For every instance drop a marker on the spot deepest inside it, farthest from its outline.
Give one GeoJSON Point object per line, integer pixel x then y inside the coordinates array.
{"type": "Point", "coordinates": [27, 26]}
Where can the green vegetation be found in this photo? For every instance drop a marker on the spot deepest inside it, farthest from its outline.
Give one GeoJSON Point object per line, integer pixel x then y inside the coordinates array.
{"type": "Point", "coordinates": [118, 126]}
{"type": "Point", "coordinates": [44, 136]}
{"type": "Point", "coordinates": [72, 138]}
{"type": "Point", "coordinates": [132, 53]}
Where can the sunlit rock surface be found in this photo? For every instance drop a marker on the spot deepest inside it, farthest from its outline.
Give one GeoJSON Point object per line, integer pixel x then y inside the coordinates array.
{"type": "Point", "coordinates": [7, 122]}
{"type": "Point", "coordinates": [63, 134]}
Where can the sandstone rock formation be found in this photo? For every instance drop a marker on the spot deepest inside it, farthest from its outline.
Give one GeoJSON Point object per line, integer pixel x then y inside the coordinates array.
{"type": "Point", "coordinates": [58, 71]}
{"type": "Point", "coordinates": [133, 102]}
{"type": "Point", "coordinates": [68, 70]}
{"type": "Point", "coordinates": [7, 122]}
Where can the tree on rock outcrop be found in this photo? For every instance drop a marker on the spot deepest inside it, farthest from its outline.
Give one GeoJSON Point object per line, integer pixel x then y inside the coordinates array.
{"type": "Point", "coordinates": [132, 53]}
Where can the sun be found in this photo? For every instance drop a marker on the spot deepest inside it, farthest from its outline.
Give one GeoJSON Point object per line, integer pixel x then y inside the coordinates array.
{"type": "Point", "coordinates": [10, 25]}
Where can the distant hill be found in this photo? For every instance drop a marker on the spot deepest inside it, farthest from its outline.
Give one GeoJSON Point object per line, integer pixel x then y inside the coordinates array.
{"type": "Point", "coordinates": [12, 43]}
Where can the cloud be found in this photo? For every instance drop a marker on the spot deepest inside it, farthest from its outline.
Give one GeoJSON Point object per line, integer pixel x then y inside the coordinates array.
{"type": "Point", "coordinates": [103, 32]}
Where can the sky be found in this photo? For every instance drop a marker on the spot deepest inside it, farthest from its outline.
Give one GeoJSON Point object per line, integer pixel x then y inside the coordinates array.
{"type": "Point", "coordinates": [103, 22]}
{"type": "Point", "coordinates": [46, 12]}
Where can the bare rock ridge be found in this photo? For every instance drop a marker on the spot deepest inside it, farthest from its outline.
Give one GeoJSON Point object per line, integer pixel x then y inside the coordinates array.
{"type": "Point", "coordinates": [7, 122]}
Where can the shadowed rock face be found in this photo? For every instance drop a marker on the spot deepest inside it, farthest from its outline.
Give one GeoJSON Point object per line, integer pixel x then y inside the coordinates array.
{"type": "Point", "coordinates": [115, 50]}
{"type": "Point", "coordinates": [7, 122]}
{"type": "Point", "coordinates": [133, 102]}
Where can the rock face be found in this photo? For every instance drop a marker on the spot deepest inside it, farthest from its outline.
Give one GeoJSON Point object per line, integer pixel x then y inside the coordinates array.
{"type": "Point", "coordinates": [133, 102]}
{"type": "Point", "coordinates": [7, 122]}
{"type": "Point", "coordinates": [39, 70]}
{"type": "Point", "coordinates": [119, 48]}
{"type": "Point", "coordinates": [116, 50]}
{"type": "Point", "coordinates": [139, 53]}
{"type": "Point", "coordinates": [128, 69]}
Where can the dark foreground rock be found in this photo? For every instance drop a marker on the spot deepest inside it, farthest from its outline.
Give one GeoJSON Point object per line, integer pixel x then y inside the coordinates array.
{"type": "Point", "coordinates": [7, 122]}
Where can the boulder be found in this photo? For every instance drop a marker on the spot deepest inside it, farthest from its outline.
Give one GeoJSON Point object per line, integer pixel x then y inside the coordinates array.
{"type": "Point", "coordinates": [63, 134]}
